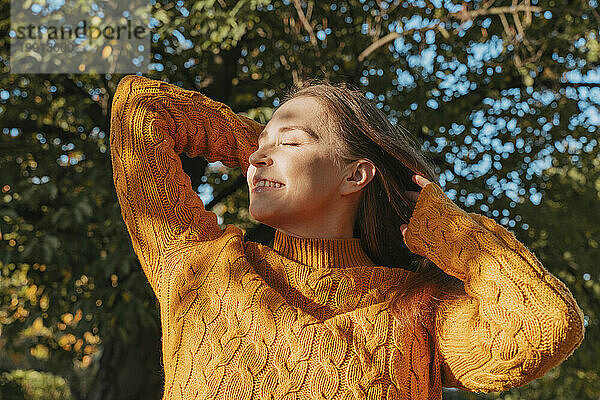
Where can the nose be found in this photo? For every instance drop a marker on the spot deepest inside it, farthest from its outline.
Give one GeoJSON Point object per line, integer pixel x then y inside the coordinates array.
{"type": "Point", "coordinates": [260, 158]}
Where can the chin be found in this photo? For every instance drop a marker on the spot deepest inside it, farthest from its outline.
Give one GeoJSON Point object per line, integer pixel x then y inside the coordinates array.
{"type": "Point", "coordinates": [267, 217]}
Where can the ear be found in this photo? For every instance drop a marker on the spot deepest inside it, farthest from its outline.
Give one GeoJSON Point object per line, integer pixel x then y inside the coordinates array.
{"type": "Point", "coordinates": [356, 176]}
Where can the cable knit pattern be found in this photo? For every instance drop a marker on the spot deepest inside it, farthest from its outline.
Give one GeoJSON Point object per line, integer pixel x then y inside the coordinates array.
{"type": "Point", "coordinates": [310, 318]}
{"type": "Point", "coordinates": [517, 320]}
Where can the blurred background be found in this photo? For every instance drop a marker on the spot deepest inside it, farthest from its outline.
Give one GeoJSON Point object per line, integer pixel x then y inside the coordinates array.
{"type": "Point", "coordinates": [504, 97]}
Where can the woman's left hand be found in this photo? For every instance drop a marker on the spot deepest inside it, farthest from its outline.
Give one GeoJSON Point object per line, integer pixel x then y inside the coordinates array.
{"type": "Point", "coordinates": [413, 196]}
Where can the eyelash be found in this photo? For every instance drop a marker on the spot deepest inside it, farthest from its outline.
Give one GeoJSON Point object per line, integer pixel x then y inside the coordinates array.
{"type": "Point", "coordinates": [290, 144]}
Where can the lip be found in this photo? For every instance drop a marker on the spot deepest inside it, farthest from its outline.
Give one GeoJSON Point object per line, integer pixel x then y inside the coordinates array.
{"type": "Point", "coordinates": [257, 189]}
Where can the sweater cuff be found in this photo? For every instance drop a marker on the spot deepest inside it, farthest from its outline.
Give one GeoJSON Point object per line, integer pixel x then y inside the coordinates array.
{"type": "Point", "coordinates": [441, 231]}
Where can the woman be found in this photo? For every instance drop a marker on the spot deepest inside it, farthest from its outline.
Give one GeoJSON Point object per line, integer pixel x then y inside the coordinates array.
{"type": "Point", "coordinates": [340, 307]}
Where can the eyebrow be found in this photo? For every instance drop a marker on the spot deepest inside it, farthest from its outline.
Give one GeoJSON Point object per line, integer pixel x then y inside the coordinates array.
{"type": "Point", "coordinates": [294, 127]}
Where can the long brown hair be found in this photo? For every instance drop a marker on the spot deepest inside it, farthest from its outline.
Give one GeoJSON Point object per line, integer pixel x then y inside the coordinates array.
{"type": "Point", "coordinates": [358, 130]}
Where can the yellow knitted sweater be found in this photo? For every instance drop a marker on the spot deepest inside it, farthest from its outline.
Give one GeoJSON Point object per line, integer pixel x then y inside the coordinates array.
{"type": "Point", "coordinates": [310, 318]}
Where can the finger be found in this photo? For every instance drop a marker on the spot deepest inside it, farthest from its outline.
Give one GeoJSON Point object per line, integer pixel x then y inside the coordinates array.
{"type": "Point", "coordinates": [403, 228]}
{"type": "Point", "coordinates": [421, 180]}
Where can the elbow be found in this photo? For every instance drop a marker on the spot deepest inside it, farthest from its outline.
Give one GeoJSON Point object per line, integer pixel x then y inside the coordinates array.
{"type": "Point", "coordinates": [566, 336]}
{"type": "Point", "coordinates": [123, 91]}
{"type": "Point", "coordinates": [557, 332]}
{"type": "Point", "coordinates": [128, 91]}
{"type": "Point", "coordinates": [559, 341]}
{"type": "Point", "coordinates": [118, 115]}
{"type": "Point", "coordinates": [130, 85]}
{"type": "Point", "coordinates": [536, 351]}
{"type": "Point", "coordinates": [124, 84]}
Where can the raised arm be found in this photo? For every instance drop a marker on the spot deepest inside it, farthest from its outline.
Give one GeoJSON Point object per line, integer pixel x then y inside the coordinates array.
{"type": "Point", "coordinates": [515, 320]}
{"type": "Point", "coordinates": [151, 123]}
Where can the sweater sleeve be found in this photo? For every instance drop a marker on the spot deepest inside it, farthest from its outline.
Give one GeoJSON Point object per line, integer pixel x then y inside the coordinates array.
{"type": "Point", "coordinates": [514, 321]}
{"type": "Point", "coordinates": [151, 123]}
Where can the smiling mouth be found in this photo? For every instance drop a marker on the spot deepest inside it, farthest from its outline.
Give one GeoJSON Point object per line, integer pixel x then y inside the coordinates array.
{"type": "Point", "coordinates": [266, 185]}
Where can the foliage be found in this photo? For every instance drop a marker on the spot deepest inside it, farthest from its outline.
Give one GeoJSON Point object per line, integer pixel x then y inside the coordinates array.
{"type": "Point", "coordinates": [32, 385]}
{"type": "Point", "coordinates": [493, 91]}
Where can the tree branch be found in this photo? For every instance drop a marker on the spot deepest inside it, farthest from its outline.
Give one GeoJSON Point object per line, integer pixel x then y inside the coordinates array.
{"type": "Point", "coordinates": [462, 15]}
{"type": "Point", "coordinates": [582, 84]}
{"type": "Point", "coordinates": [470, 15]}
{"type": "Point", "coordinates": [389, 38]}
{"type": "Point", "coordinates": [309, 29]}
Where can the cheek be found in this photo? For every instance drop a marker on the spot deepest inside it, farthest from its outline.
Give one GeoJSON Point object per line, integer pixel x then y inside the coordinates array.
{"type": "Point", "coordinates": [314, 175]}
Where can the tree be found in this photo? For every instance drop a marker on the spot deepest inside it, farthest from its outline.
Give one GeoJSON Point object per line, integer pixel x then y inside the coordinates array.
{"type": "Point", "coordinates": [496, 93]}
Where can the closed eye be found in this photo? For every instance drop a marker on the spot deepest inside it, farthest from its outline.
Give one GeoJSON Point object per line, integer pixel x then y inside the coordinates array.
{"type": "Point", "coordinates": [291, 144]}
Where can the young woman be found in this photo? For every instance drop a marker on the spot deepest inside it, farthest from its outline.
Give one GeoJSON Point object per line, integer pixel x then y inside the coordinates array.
{"type": "Point", "coordinates": [377, 284]}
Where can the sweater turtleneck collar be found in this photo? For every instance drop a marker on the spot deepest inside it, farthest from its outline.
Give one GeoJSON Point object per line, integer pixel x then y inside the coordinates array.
{"type": "Point", "coordinates": [321, 253]}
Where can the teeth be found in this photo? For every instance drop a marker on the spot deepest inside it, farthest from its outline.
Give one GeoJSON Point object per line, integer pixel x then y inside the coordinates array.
{"type": "Point", "coordinates": [268, 184]}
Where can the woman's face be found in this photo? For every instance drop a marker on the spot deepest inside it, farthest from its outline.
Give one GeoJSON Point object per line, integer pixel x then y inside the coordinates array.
{"type": "Point", "coordinates": [294, 152]}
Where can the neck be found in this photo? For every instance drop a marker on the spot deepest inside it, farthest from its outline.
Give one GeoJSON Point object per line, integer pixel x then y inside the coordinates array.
{"type": "Point", "coordinates": [337, 223]}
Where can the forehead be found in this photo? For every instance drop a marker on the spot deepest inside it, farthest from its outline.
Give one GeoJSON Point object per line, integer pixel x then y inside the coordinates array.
{"type": "Point", "coordinates": [295, 106]}
{"type": "Point", "coordinates": [299, 113]}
